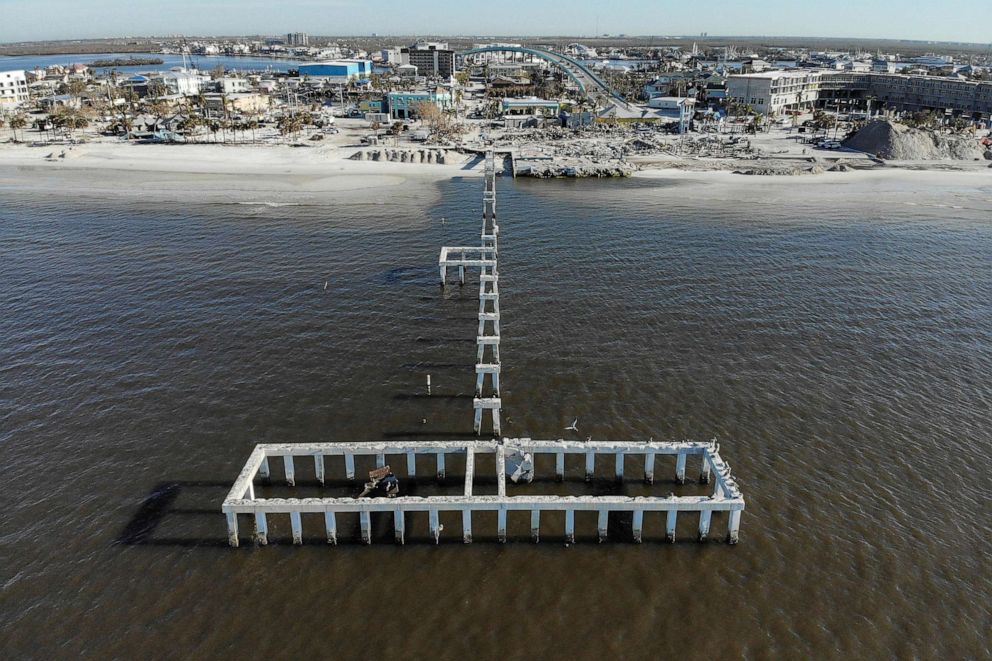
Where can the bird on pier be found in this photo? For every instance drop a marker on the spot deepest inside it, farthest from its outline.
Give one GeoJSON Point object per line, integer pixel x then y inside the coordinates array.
{"type": "Point", "coordinates": [574, 426]}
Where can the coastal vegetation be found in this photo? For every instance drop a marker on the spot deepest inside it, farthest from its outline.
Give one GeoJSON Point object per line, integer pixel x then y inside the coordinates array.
{"type": "Point", "coordinates": [124, 62]}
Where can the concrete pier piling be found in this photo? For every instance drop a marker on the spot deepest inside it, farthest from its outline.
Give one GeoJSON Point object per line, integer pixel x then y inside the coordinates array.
{"type": "Point", "coordinates": [485, 258]}
{"type": "Point", "coordinates": [290, 471]}
{"type": "Point", "coordinates": [637, 525]}
{"type": "Point", "coordinates": [399, 526]}
{"type": "Point", "coordinates": [243, 499]}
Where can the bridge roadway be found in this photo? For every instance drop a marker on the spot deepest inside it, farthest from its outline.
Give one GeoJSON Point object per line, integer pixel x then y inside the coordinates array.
{"type": "Point", "coordinates": [588, 82]}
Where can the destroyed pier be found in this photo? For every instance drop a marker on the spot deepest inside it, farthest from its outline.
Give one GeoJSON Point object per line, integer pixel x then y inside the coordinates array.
{"type": "Point", "coordinates": [514, 458]}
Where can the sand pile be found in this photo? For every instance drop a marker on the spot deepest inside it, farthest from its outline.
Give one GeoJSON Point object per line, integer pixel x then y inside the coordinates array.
{"type": "Point", "coordinates": [902, 143]}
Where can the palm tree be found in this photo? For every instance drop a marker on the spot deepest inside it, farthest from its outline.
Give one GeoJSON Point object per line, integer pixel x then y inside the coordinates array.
{"type": "Point", "coordinates": [18, 122]}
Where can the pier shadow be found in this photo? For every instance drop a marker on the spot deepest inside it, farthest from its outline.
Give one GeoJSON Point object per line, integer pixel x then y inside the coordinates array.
{"type": "Point", "coordinates": [184, 503]}
{"type": "Point", "coordinates": [412, 396]}
{"type": "Point", "coordinates": [421, 433]}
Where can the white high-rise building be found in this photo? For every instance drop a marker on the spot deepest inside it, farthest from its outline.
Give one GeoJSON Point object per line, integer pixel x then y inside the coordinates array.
{"type": "Point", "coordinates": [13, 88]}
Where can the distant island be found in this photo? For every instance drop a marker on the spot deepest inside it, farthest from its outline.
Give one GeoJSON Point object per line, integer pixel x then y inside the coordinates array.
{"type": "Point", "coordinates": [122, 62]}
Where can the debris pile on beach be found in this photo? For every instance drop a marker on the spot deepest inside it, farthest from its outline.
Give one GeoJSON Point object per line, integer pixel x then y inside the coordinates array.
{"type": "Point", "coordinates": [435, 156]}
{"type": "Point", "coordinates": [555, 168]}
{"type": "Point", "coordinates": [899, 142]}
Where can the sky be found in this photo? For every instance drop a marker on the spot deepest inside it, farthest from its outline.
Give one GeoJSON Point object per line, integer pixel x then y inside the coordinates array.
{"type": "Point", "coordinates": [950, 20]}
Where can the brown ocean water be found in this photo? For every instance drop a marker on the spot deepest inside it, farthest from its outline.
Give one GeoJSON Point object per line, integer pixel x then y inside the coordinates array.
{"type": "Point", "coordinates": [841, 353]}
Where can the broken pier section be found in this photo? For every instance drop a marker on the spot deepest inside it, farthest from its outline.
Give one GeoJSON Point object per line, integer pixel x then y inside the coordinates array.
{"type": "Point", "coordinates": [725, 497]}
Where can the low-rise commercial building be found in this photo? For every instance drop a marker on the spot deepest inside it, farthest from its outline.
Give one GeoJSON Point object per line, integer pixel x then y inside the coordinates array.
{"type": "Point", "coordinates": [402, 105]}
{"type": "Point", "coordinates": [531, 106]}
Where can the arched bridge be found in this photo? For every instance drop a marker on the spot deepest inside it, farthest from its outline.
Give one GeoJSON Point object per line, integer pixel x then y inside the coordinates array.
{"type": "Point", "coordinates": [584, 78]}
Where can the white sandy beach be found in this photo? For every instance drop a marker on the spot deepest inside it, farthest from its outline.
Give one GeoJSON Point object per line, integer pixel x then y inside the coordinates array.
{"type": "Point", "coordinates": [277, 174]}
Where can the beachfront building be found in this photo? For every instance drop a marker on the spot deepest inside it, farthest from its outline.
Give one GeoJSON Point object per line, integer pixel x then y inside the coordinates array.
{"type": "Point", "coordinates": [13, 89]}
{"type": "Point", "coordinates": [908, 93]}
{"type": "Point", "coordinates": [337, 71]}
{"type": "Point", "coordinates": [775, 92]}
{"type": "Point", "coordinates": [432, 59]}
{"type": "Point", "coordinates": [402, 104]}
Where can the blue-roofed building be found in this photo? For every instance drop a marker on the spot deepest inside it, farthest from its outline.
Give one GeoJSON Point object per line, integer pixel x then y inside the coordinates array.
{"type": "Point", "coordinates": [338, 71]}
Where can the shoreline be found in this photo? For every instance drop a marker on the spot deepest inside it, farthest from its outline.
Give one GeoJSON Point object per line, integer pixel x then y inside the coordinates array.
{"type": "Point", "coordinates": [287, 174]}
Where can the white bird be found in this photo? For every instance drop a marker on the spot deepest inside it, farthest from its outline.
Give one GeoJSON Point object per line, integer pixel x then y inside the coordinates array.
{"type": "Point", "coordinates": [574, 426]}
{"type": "Point", "coordinates": [325, 284]}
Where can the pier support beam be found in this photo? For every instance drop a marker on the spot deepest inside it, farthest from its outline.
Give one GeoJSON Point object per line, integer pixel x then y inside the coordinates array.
{"type": "Point", "coordinates": [680, 468]}
{"type": "Point", "coordinates": [535, 525]}
{"type": "Point", "coordinates": [380, 460]}
{"type": "Point", "coordinates": [733, 526]}
{"type": "Point", "coordinates": [331, 526]}
{"type": "Point", "coordinates": [297, 525]}
{"type": "Point", "coordinates": [704, 471]}
{"type": "Point", "coordinates": [290, 470]}
{"type": "Point", "coordinates": [440, 466]}
{"type": "Point", "coordinates": [261, 529]}
{"type": "Point", "coordinates": [232, 529]}
{"type": "Point", "coordinates": [637, 526]}
{"type": "Point", "coordinates": [670, 526]}
{"type": "Point", "coordinates": [590, 465]}
{"type": "Point", "coordinates": [619, 467]}
{"type": "Point", "coordinates": [365, 519]}
{"type": "Point", "coordinates": [603, 525]}
{"type": "Point", "coordinates": [263, 469]}
{"type": "Point", "coordinates": [435, 526]}
{"type": "Point", "coordinates": [349, 466]}
{"type": "Point", "coordinates": [569, 526]}
{"type": "Point", "coordinates": [318, 467]}
{"type": "Point", "coordinates": [501, 526]}
{"type": "Point", "coordinates": [411, 464]}
{"type": "Point", "coordinates": [399, 526]}
{"type": "Point", "coordinates": [649, 468]}
{"type": "Point", "coordinates": [467, 526]}
{"type": "Point", "coordinates": [560, 467]}
{"type": "Point", "coordinates": [705, 516]}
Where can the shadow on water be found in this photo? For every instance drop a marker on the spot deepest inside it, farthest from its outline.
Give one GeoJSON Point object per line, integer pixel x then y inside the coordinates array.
{"type": "Point", "coordinates": [162, 504]}
{"type": "Point", "coordinates": [411, 396]}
